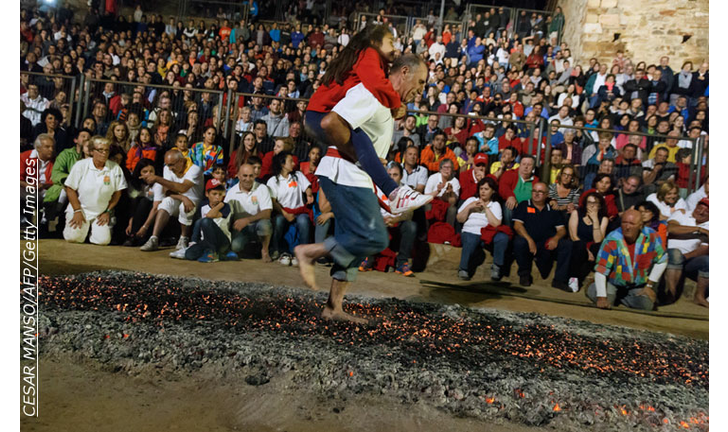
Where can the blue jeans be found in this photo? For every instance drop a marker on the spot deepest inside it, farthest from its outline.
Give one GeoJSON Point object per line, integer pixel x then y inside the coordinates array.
{"type": "Point", "coordinates": [628, 296]}
{"type": "Point", "coordinates": [472, 255]}
{"type": "Point", "coordinates": [254, 231]}
{"type": "Point", "coordinates": [544, 258]}
{"type": "Point", "coordinates": [207, 237]}
{"type": "Point", "coordinates": [407, 232]}
{"type": "Point", "coordinates": [281, 225]}
{"type": "Point", "coordinates": [359, 230]}
{"type": "Point", "coordinates": [366, 156]}
{"type": "Point", "coordinates": [322, 231]}
{"type": "Point", "coordinates": [698, 266]}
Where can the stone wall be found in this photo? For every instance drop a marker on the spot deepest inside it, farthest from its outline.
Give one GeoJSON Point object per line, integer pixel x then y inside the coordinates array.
{"type": "Point", "coordinates": [648, 29]}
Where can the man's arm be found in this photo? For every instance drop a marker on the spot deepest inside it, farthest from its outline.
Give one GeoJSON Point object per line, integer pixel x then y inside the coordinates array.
{"type": "Point", "coordinates": [520, 229]}
{"type": "Point", "coordinates": [177, 188]}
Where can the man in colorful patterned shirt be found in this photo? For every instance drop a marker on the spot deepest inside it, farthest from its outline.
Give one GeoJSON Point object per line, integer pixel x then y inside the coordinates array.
{"type": "Point", "coordinates": [627, 256]}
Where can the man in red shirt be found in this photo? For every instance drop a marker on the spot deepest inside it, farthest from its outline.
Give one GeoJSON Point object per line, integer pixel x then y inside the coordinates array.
{"type": "Point", "coordinates": [469, 179]}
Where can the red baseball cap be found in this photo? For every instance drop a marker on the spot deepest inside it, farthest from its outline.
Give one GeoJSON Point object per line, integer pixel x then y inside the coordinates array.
{"type": "Point", "coordinates": [214, 184]}
{"type": "Point", "coordinates": [480, 158]}
{"type": "Point", "coordinates": [704, 201]}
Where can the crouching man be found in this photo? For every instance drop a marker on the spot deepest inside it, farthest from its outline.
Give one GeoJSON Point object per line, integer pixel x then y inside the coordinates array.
{"type": "Point", "coordinates": [629, 265]}
{"type": "Point", "coordinates": [251, 205]}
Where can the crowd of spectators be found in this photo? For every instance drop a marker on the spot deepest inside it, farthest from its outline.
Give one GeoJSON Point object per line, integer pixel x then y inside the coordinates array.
{"type": "Point", "coordinates": [153, 143]}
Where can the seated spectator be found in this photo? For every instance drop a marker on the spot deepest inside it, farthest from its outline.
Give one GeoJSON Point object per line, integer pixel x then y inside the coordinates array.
{"type": "Point", "coordinates": [444, 186]}
{"type": "Point", "coordinates": [50, 124]}
{"type": "Point", "coordinates": [510, 139]}
{"type": "Point", "coordinates": [402, 230]}
{"type": "Point", "coordinates": [670, 145]}
{"type": "Point", "coordinates": [94, 188]}
{"type": "Point", "coordinates": [281, 145]}
{"type": "Point", "coordinates": [458, 133]}
{"type": "Point", "coordinates": [606, 166]}
{"type": "Point", "coordinates": [668, 201]}
{"type": "Point", "coordinates": [414, 175]}
{"type": "Point", "coordinates": [651, 219]}
{"type": "Point", "coordinates": [604, 186]}
{"type": "Point", "coordinates": [288, 187]}
{"type": "Point", "coordinates": [593, 155]}
{"type": "Point", "coordinates": [182, 143]}
{"type": "Point", "coordinates": [35, 104]}
{"type": "Point", "coordinates": [467, 157]}
{"type": "Point", "coordinates": [241, 154]}
{"type": "Point", "coordinates": [557, 158]}
{"type": "Point", "coordinates": [571, 149]}
{"type": "Point", "coordinates": [308, 168]}
{"type": "Point", "coordinates": [469, 179]}
{"type": "Point", "coordinates": [55, 196]}
{"type": "Point", "coordinates": [587, 229]}
{"type": "Point", "coordinates": [515, 186]}
{"type": "Point", "coordinates": [564, 192]}
{"type": "Point", "coordinates": [434, 153]}
{"type": "Point", "coordinates": [541, 234]}
{"type": "Point", "coordinates": [211, 233]}
{"type": "Point", "coordinates": [276, 120]}
{"type": "Point", "coordinates": [507, 162]}
{"type": "Point", "coordinates": [691, 201]}
{"type": "Point", "coordinates": [408, 131]}
{"type": "Point", "coordinates": [251, 205]}
{"type": "Point", "coordinates": [657, 170]}
{"type": "Point", "coordinates": [144, 148]}
{"type": "Point", "coordinates": [144, 202]}
{"type": "Point", "coordinates": [478, 212]}
{"type": "Point", "coordinates": [627, 275]}
{"type": "Point", "coordinates": [627, 164]}
{"type": "Point", "coordinates": [687, 250]}
{"type": "Point", "coordinates": [685, 169]}
{"type": "Point", "coordinates": [206, 154]}
{"type": "Point", "coordinates": [118, 136]}
{"type": "Point", "coordinates": [487, 142]}
{"type": "Point", "coordinates": [301, 146]}
{"type": "Point", "coordinates": [37, 163]}
{"type": "Point", "coordinates": [627, 196]}
{"type": "Point", "coordinates": [183, 189]}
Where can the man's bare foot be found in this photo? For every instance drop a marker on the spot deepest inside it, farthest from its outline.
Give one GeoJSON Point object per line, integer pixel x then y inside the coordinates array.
{"type": "Point", "coordinates": [306, 256]}
{"type": "Point", "coordinates": [340, 315]}
{"type": "Point", "coordinates": [265, 257]}
{"type": "Point", "coordinates": [701, 301]}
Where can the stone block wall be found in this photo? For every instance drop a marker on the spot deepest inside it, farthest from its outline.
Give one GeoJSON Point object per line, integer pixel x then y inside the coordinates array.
{"type": "Point", "coordinates": [648, 29]}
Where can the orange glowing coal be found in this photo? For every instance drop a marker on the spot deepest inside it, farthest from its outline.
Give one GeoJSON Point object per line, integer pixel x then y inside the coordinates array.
{"type": "Point", "coordinates": [557, 408]}
{"type": "Point", "coordinates": [490, 400]}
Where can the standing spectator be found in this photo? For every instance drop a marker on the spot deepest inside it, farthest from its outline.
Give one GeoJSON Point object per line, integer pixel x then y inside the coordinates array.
{"type": "Point", "coordinates": [476, 213]}
{"type": "Point", "coordinates": [94, 188]}
{"type": "Point", "coordinates": [687, 251]}
{"type": "Point", "coordinates": [630, 262]}
{"type": "Point", "coordinates": [184, 187]}
{"type": "Point", "coordinates": [541, 234]}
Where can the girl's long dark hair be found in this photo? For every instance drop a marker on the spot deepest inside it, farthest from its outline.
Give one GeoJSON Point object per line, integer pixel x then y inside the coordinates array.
{"type": "Point", "coordinates": [342, 63]}
{"type": "Point", "coordinates": [135, 181]}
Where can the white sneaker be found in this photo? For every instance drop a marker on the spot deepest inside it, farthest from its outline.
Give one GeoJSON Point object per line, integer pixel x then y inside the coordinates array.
{"type": "Point", "coordinates": [183, 242]}
{"type": "Point", "coordinates": [179, 253]}
{"type": "Point", "coordinates": [294, 261]}
{"type": "Point", "coordinates": [151, 245]}
{"type": "Point", "coordinates": [285, 259]}
{"type": "Point", "coordinates": [574, 284]}
{"type": "Point", "coordinates": [407, 199]}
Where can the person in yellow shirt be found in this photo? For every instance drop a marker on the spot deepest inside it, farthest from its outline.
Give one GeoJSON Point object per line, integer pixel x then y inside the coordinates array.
{"type": "Point", "coordinates": [670, 144]}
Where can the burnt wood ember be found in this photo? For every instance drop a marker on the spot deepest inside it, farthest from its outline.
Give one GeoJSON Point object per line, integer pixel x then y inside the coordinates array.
{"type": "Point", "coordinates": [488, 364]}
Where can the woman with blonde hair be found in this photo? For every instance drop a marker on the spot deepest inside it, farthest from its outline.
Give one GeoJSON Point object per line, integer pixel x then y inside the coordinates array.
{"type": "Point", "coordinates": [118, 135]}
{"type": "Point", "coordinates": [667, 199]}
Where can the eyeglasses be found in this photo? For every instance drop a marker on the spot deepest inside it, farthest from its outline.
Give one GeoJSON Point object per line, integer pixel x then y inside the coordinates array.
{"type": "Point", "coordinates": [101, 150]}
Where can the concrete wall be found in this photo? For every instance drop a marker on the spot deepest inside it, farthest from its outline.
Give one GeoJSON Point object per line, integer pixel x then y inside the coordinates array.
{"type": "Point", "coordinates": [648, 29]}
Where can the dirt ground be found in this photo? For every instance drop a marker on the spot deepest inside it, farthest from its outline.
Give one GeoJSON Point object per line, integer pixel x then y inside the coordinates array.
{"type": "Point", "coordinates": [80, 395]}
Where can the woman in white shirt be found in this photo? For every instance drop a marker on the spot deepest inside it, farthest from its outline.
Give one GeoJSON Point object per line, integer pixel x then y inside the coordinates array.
{"type": "Point", "coordinates": [291, 193]}
{"type": "Point", "coordinates": [476, 213]}
{"type": "Point", "coordinates": [668, 200]}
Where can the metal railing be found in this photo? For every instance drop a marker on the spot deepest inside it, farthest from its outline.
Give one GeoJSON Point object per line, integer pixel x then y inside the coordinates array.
{"type": "Point", "coordinates": [400, 23]}
{"type": "Point", "coordinates": [61, 92]}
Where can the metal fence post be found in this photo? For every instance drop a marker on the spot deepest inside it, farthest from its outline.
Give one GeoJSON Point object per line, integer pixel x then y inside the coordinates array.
{"type": "Point", "coordinates": [81, 84]}
{"type": "Point", "coordinates": [71, 99]}
{"type": "Point", "coordinates": [532, 129]}
{"type": "Point", "coordinates": [546, 172]}
{"type": "Point", "coordinates": [693, 161]}
{"type": "Point", "coordinates": [230, 96]}
{"type": "Point", "coordinates": [700, 144]}
{"type": "Point", "coordinates": [87, 94]}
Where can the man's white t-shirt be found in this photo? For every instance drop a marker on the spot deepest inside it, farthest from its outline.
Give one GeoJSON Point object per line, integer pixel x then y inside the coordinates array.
{"type": "Point", "coordinates": [436, 179]}
{"type": "Point", "coordinates": [664, 208]}
{"type": "Point", "coordinates": [193, 174]}
{"type": "Point", "coordinates": [687, 245]}
{"type": "Point", "coordinates": [289, 191]}
{"type": "Point", "coordinates": [94, 186]}
{"type": "Point", "coordinates": [361, 110]}
{"type": "Point", "coordinates": [250, 203]}
{"type": "Point", "coordinates": [477, 220]}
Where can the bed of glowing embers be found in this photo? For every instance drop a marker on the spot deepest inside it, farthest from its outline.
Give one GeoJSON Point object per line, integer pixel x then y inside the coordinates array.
{"type": "Point", "coordinates": [486, 364]}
